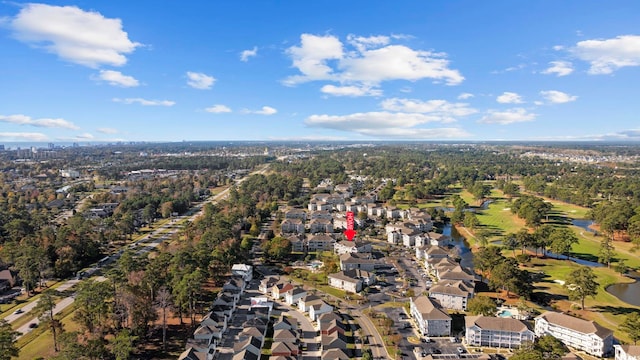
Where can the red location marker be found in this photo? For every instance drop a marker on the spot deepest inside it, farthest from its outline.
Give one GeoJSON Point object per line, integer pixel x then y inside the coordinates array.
{"type": "Point", "coordinates": [349, 233]}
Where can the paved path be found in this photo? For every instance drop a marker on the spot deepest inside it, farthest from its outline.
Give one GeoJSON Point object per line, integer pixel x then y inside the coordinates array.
{"type": "Point", "coordinates": [159, 232]}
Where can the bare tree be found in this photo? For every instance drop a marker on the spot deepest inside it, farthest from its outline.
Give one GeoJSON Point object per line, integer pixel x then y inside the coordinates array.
{"type": "Point", "coordinates": [164, 302]}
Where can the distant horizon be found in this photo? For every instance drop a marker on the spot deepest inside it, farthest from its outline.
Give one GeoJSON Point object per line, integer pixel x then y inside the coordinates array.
{"type": "Point", "coordinates": [45, 145]}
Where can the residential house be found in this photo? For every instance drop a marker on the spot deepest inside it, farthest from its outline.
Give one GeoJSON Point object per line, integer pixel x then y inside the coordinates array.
{"type": "Point", "coordinates": [580, 334]}
{"type": "Point", "coordinates": [352, 261]}
{"type": "Point", "coordinates": [279, 290]}
{"type": "Point", "coordinates": [452, 294]}
{"type": "Point", "coordinates": [243, 270]}
{"type": "Point", "coordinates": [321, 214]}
{"type": "Point", "coordinates": [350, 247]}
{"type": "Point", "coordinates": [431, 320]}
{"type": "Point", "coordinates": [296, 214]}
{"type": "Point", "coordinates": [285, 322]}
{"type": "Point", "coordinates": [335, 354]}
{"type": "Point", "coordinates": [305, 303]}
{"type": "Point", "coordinates": [334, 341]}
{"type": "Point", "coordinates": [375, 211]}
{"type": "Point", "coordinates": [394, 213]}
{"type": "Point", "coordinates": [318, 308]}
{"type": "Point", "coordinates": [351, 280]}
{"type": "Point", "coordinates": [429, 252]}
{"type": "Point", "coordinates": [321, 226]}
{"type": "Point", "coordinates": [436, 239]}
{"type": "Point", "coordinates": [297, 243]}
{"type": "Point", "coordinates": [627, 352]}
{"type": "Point", "coordinates": [320, 242]}
{"type": "Point", "coordinates": [292, 226]}
{"type": "Point", "coordinates": [499, 332]}
{"type": "Point", "coordinates": [284, 348]}
{"type": "Point", "coordinates": [192, 354]}
{"type": "Point", "coordinates": [292, 296]}
{"type": "Point", "coordinates": [267, 284]}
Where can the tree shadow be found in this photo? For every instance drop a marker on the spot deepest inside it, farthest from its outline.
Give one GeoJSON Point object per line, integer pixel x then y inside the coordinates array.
{"type": "Point", "coordinates": [616, 310]}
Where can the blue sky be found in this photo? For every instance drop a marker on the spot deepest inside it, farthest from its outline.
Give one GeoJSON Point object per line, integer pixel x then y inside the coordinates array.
{"type": "Point", "coordinates": [143, 70]}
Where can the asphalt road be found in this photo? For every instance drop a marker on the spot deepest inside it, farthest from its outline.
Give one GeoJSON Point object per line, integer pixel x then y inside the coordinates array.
{"type": "Point", "coordinates": [159, 233]}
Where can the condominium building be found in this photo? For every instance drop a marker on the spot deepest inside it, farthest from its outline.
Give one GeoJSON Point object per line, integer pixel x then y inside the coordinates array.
{"type": "Point", "coordinates": [584, 335]}
{"type": "Point", "coordinates": [496, 332]}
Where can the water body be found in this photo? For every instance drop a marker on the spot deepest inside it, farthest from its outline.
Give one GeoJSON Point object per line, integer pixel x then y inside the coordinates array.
{"type": "Point", "coordinates": [583, 223]}
{"type": "Point", "coordinates": [460, 244]}
{"type": "Point", "coordinates": [629, 293]}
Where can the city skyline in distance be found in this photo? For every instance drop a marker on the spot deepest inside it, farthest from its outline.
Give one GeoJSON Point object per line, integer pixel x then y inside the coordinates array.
{"type": "Point", "coordinates": [331, 71]}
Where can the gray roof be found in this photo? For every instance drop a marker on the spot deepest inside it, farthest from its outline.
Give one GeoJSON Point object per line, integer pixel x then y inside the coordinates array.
{"type": "Point", "coordinates": [573, 323]}
{"type": "Point", "coordinates": [495, 323]}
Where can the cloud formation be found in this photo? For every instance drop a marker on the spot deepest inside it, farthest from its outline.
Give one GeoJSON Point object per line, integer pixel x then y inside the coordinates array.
{"type": "Point", "coordinates": [246, 54]}
{"type": "Point", "coordinates": [218, 109]}
{"type": "Point", "coordinates": [507, 117]}
{"type": "Point", "coordinates": [509, 98]}
{"type": "Point", "coordinates": [559, 68]}
{"type": "Point", "coordinates": [465, 96]}
{"type": "Point", "coordinates": [106, 130]}
{"type": "Point", "coordinates": [145, 102]}
{"type": "Point", "coordinates": [81, 37]}
{"type": "Point", "coordinates": [116, 78]}
{"type": "Point", "coordinates": [365, 61]}
{"type": "Point", "coordinates": [200, 81]}
{"type": "Point", "coordinates": [266, 110]}
{"type": "Point", "coordinates": [20, 119]}
{"type": "Point", "coordinates": [351, 90]}
{"type": "Point", "coordinates": [557, 97]}
{"type": "Point", "coordinates": [446, 111]}
{"type": "Point", "coordinates": [23, 136]}
{"type": "Point", "coordinates": [609, 55]}
{"type": "Point", "coordinates": [386, 124]}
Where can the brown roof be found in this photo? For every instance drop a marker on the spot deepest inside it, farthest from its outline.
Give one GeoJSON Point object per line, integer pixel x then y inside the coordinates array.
{"type": "Point", "coordinates": [450, 287]}
{"type": "Point", "coordinates": [633, 350]}
{"type": "Point", "coordinates": [573, 323]}
{"type": "Point", "coordinates": [429, 310]}
{"type": "Point", "coordinates": [495, 323]}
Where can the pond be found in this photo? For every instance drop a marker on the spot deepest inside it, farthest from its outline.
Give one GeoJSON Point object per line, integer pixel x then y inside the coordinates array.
{"type": "Point", "coordinates": [629, 293]}
{"type": "Point", "coordinates": [460, 244]}
{"type": "Point", "coordinates": [583, 223]}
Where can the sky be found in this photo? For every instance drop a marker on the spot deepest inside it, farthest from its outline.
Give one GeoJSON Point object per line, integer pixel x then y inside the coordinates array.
{"type": "Point", "coordinates": [93, 71]}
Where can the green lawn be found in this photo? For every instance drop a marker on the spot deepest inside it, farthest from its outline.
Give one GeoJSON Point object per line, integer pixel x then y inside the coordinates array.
{"type": "Point", "coordinates": [39, 342]}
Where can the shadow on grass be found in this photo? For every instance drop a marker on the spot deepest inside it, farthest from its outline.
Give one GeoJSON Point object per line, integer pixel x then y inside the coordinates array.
{"type": "Point", "coordinates": [616, 310]}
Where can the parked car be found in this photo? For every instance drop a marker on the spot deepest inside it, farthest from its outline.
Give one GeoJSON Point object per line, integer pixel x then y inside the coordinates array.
{"type": "Point", "coordinates": [460, 350]}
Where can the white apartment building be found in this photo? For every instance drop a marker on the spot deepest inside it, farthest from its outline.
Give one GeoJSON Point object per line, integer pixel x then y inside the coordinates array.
{"type": "Point", "coordinates": [584, 335]}
{"type": "Point", "coordinates": [496, 332]}
{"type": "Point", "coordinates": [627, 352]}
{"type": "Point", "coordinates": [431, 320]}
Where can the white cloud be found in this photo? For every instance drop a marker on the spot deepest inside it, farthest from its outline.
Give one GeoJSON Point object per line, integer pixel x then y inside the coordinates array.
{"type": "Point", "coordinates": [371, 61]}
{"type": "Point", "coordinates": [106, 130]}
{"type": "Point", "coordinates": [509, 98]}
{"type": "Point", "coordinates": [506, 117]}
{"type": "Point", "coordinates": [20, 119]}
{"type": "Point", "coordinates": [85, 136]}
{"type": "Point", "coordinates": [446, 111]}
{"type": "Point", "coordinates": [82, 37]}
{"type": "Point", "coordinates": [557, 97]}
{"type": "Point", "coordinates": [311, 57]}
{"type": "Point", "coordinates": [560, 68]}
{"type": "Point", "coordinates": [608, 55]}
{"type": "Point", "coordinates": [116, 78]}
{"type": "Point", "coordinates": [200, 81]}
{"type": "Point", "coordinates": [350, 90]}
{"type": "Point", "coordinates": [266, 110]}
{"type": "Point", "coordinates": [386, 125]}
{"type": "Point", "coordinates": [465, 96]}
{"type": "Point", "coordinates": [145, 102]}
{"type": "Point", "coordinates": [218, 108]}
{"type": "Point", "coordinates": [246, 54]}
{"type": "Point", "coordinates": [22, 136]}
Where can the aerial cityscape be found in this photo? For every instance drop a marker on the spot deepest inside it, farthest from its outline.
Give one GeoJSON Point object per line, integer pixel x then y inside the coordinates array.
{"type": "Point", "coordinates": [270, 180]}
